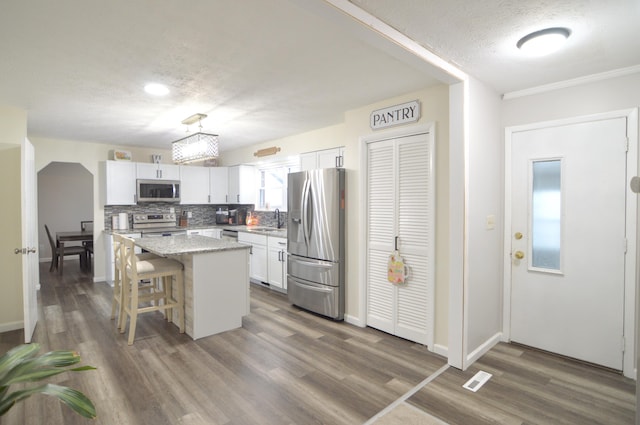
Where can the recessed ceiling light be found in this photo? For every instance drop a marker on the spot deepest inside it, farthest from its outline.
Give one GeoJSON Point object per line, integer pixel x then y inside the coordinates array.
{"type": "Point", "coordinates": [156, 89]}
{"type": "Point", "coordinates": [543, 42]}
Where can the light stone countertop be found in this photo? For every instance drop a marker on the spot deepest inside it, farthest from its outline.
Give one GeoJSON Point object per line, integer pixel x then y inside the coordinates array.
{"type": "Point", "coordinates": [186, 244]}
{"type": "Point", "coordinates": [262, 230]}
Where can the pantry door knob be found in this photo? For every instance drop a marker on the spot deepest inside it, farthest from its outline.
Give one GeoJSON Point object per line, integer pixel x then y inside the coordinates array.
{"type": "Point", "coordinates": [519, 255]}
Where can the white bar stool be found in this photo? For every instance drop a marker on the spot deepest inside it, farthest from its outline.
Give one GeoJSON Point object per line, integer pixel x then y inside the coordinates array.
{"type": "Point", "coordinates": [133, 271]}
{"type": "Point", "coordinates": [116, 303]}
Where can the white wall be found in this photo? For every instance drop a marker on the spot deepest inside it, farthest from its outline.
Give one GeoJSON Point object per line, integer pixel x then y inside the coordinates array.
{"type": "Point", "coordinates": [435, 108]}
{"type": "Point", "coordinates": [483, 314]}
{"type": "Point", "coordinates": [585, 99]}
{"type": "Point", "coordinates": [13, 130]}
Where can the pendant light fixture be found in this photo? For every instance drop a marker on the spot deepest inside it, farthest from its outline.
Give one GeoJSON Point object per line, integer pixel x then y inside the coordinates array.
{"type": "Point", "coordinates": [195, 147]}
{"type": "Point", "coordinates": [543, 42]}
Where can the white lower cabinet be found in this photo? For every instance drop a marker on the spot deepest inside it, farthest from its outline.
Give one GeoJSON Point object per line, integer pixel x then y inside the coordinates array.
{"type": "Point", "coordinates": [257, 255]}
{"type": "Point", "coordinates": [267, 259]}
{"type": "Point", "coordinates": [277, 267]}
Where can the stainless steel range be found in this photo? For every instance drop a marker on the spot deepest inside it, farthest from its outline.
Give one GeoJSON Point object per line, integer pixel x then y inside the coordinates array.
{"type": "Point", "coordinates": [156, 225]}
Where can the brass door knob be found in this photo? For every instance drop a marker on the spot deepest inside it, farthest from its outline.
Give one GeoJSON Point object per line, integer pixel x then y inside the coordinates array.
{"type": "Point", "coordinates": [519, 255]}
{"type": "Point", "coordinates": [518, 235]}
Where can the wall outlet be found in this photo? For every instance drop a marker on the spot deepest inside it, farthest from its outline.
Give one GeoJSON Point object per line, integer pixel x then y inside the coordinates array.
{"type": "Point", "coordinates": [189, 214]}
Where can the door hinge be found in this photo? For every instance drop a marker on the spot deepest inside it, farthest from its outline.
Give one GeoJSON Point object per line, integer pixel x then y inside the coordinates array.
{"type": "Point", "coordinates": [626, 245]}
{"type": "Point", "coordinates": [626, 144]}
{"type": "Point", "coordinates": [623, 341]}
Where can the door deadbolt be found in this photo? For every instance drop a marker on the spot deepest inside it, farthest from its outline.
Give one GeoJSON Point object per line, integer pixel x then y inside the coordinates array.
{"type": "Point", "coordinates": [518, 235]}
{"type": "Point", "coordinates": [519, 255]}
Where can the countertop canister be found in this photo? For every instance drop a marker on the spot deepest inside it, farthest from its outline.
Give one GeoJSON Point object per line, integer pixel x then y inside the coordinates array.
{"type": "Point", "coordinates": [123, 221]}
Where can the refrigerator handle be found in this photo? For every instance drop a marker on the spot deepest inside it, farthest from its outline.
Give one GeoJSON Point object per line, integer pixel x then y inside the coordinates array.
{"type": "Point", "coordinates": [304, 215]}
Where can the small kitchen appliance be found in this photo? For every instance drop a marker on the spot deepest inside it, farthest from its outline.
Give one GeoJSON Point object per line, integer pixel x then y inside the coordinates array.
{"type": "Point", "coordinates": [222, 215]}
{"type": "Point", "coordinates": [158, 190]}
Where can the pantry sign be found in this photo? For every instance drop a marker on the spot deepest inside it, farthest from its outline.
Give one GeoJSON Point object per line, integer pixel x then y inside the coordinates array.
{"type": "Point", "coordinates": [395, 115]}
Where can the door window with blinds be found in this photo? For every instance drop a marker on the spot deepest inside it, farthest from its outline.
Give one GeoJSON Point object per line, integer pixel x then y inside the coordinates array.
{"type": "Point", "coordinates": [546, 215]}
{"type": "Point", "coordinates": [399, 213]}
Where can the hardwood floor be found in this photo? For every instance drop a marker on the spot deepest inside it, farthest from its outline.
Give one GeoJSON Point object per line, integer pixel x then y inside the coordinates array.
{"type": "Point", "coordinates": [530, 387]}
{"type": "Point", "coordinates": [284, 366]}
{"type": "Point", "coordinates": [287, 366]}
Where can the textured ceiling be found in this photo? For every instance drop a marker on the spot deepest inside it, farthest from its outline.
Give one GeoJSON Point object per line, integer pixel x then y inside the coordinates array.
{"type": "Point", "coordinates": [480, 37]}
{"type": "Point", "coordinates": [263, 70]}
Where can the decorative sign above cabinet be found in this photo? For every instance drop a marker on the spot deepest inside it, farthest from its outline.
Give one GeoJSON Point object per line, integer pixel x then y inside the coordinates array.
{"type": "Point", "coordinates": [395, 115]}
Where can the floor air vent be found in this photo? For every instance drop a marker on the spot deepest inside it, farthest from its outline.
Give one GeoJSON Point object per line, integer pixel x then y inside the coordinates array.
{"type": "Point", "coordinates": [478, 380]}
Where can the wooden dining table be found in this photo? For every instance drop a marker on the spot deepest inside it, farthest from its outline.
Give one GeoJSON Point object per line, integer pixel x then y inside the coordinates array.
{"type": "Point", "coordinates": [71, 236]}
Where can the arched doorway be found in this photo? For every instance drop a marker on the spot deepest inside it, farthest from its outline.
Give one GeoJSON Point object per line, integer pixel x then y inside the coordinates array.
{"type": "Point", "coordinates": [65, 198]}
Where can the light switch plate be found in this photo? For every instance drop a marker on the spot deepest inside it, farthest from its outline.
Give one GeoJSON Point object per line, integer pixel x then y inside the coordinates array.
{"type": "Point", "coordinates": [491, 222]}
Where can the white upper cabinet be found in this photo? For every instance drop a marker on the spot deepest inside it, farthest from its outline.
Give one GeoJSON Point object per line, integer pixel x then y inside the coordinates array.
{"type": "Point", "coordinates": [194, 185]}
{"type": "Point", "coordinates": [242, 185]}
{"type": "Point", "coordinates": [120, 183]}
{"type": "Point", "coordinates": [219, 185]}
{"type": "Point", "coordinates": [150, 171]}
{"type": "Point", "coordinates": [203, 185]}
{"type": "Point", "coordinates": [326, 158]}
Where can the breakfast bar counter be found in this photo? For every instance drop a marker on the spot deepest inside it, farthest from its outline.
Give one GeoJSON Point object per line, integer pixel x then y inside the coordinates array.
{"type": "Point", "coordinates": [216, 280]}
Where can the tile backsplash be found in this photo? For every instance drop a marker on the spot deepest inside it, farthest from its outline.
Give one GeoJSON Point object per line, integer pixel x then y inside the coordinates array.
{"type": "Point", "coordinates": [201, 215]}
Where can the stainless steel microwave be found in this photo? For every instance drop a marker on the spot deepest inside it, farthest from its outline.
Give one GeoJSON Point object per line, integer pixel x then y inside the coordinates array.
{"type": "Point", "coordinates": [158, 190]}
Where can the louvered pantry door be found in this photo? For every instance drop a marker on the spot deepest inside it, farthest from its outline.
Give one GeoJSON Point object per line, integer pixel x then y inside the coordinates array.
{"type": "Point", "coordinates": [400, 205]}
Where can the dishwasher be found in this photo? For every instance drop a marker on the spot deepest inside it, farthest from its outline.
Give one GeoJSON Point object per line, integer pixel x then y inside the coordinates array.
{"type": "Point", "coordinates": [229, 235]}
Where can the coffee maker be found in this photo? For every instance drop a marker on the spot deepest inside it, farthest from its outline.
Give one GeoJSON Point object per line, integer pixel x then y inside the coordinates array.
{"type": "Point", "coordinates": [222, 215]}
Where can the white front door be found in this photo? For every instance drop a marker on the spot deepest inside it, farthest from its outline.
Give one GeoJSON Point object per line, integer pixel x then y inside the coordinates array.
{"type": "Point", "coordinates": [30, 271]}
{"type": "Point", "coordinates": [568, 239]}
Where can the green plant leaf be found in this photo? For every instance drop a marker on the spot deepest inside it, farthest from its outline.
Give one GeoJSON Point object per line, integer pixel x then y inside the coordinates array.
{"type": "Point", "coordinates": [72, 398]}
{"type": "Point", "coordinates": [34, 369]}
{"type": "Point", "coordinates": [15, 356]}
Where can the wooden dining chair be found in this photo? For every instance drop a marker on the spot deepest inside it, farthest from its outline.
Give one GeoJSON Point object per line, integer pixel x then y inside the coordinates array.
{"type": "Point", "coordinates": [88, 245]}
{"type": "Point", "coordinates": [68, 250]}
{"type": "Point", "coordinates": [163, 297]}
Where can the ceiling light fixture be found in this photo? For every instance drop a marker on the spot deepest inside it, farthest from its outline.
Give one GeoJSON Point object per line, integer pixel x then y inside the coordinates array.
{"type": "Point", "coordinates": [195, 147]}
{"type": "Point", "coordinates": [543, 42]}
{"type": "Point", "coordinates": [156, 89]}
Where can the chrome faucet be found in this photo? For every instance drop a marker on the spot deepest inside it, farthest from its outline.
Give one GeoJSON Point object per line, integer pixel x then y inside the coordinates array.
{"type": "Point", "coordinates": [278, 218]}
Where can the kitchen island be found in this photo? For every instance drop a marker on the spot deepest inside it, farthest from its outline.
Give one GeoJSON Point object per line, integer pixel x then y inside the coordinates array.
{"type": "Point", "coordinates": [216, 280]}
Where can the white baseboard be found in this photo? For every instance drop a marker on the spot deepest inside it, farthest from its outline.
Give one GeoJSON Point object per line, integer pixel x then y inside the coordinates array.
{"type": "Point", "coordinates": [441, 350]}
{"type": "Point", "coordinates": [353, 320]}
{"type": "Point", "coordinates": [97, 279]}
{"type": "Point", "coordinates": [483, 349]}
{"type": "Point", "coordinates": [11, 326]}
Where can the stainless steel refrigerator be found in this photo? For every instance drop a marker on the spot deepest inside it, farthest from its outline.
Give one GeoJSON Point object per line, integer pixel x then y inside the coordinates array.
{"type": "Point", "coordinates": [315, 233]}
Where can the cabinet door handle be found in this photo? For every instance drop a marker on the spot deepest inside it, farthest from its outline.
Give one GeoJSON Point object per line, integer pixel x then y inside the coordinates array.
{"type": "Point", "coordinates": [279, 255]}
{"type": "Point", "coordinates": [209, 199]}
{"type": "Point", "coordinates": [238, 197]}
